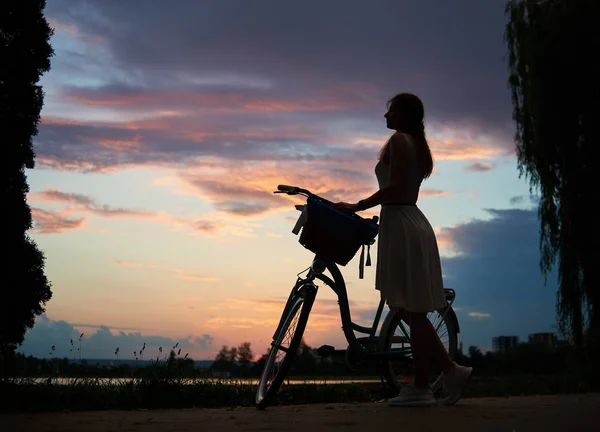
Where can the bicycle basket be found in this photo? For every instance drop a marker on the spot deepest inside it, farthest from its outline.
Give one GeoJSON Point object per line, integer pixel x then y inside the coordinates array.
{"type": "Point", "coordinates": [333, 234]}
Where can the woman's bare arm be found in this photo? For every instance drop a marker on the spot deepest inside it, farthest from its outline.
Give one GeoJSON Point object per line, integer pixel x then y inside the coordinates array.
{"type": "Point", "coordinates": [400, 157]}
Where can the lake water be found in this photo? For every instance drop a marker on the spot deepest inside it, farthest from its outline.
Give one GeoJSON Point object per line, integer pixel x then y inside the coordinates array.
{"type": "Point", "coordinates": [188, 381]}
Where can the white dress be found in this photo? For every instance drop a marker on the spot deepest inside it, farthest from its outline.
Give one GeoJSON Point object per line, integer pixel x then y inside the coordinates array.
{"type": "Point", "coordinates": [409, 272]}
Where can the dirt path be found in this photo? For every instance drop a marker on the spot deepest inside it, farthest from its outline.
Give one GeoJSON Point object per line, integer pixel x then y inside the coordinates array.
{"type": "Point", "coordinates": [532, 414]}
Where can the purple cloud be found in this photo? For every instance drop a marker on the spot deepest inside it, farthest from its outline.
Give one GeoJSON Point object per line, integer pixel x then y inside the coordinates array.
{"type": "Point", "coordinates": [451, 54]}
{"type": "Point", "coordinates": [264, 88]}
{"type": "Point", "coordinates": [260, 95]}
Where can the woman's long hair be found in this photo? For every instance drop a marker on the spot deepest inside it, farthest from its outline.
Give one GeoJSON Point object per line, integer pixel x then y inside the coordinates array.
{"type": "Point", "coordinates": [411, 120]}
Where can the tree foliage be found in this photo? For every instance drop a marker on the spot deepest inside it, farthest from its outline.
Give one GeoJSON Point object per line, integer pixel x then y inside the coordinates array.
{"type": "Point", "coordinates": [553, 77]}
{"type": "Point", "coordinates": [244, 353]}
{"type": "Point", "coordinates": [25, 54]}
{"type": "Point", "coordinates": [235, 360]}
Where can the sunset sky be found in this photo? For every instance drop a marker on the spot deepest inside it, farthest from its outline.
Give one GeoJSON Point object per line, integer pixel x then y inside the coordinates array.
{"type": "Point", "coordinates": [168, 124]}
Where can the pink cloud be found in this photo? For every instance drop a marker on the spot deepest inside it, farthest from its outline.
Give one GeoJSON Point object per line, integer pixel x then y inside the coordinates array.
{"type": "Point", "coordinates": [175, 140]}
{"type": "Point", "coordinates": [453, 149]}
{"type": "Point", "coordinates": [50, 222]}
{"type": "Point", "coordinates": [246, 189]}
{"type": "Point", "coordinates": [123, 145]}
{"type": "Point", "coordinates": [430, 193]}
{"type": "Point", "coordinates": [236, 169]}
{"type": "Point", "coordinates": [338, 97]}
{"type": "Point", "coordinates": [54, 195]}
{"type": "Point", "coordinates": [78, 204]}
{"type": "Point", "coordinates": [83, 203]}
{"type": "Point", "coordinates": [444, 238]}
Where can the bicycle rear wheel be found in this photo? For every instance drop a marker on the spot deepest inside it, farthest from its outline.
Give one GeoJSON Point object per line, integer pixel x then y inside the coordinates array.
{"type": "Point", "coordinates": [395, 333]}
{"type": "Point", "coordinates": [286, 341]}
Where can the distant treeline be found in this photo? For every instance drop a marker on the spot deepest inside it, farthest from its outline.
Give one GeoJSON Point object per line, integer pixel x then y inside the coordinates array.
{"type": "Point", "coordinates": [19, 365]}
{"type": "Point", "coordinates": [240, 362]}
{"type": "Point", "coordinates": [524, 358]}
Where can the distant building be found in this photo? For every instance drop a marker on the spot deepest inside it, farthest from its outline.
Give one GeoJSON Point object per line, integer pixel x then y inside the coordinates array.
{"type": "Point", "coordinates": [502, 344]}
{"type": "Point", "coordinates": [548, 339]}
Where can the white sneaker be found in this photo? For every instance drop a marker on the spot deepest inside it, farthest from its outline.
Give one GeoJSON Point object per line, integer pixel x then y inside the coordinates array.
{"type": "Point", "coordinates": [411, 396]}
{"type": "Point", "coordinates": [456, 382]}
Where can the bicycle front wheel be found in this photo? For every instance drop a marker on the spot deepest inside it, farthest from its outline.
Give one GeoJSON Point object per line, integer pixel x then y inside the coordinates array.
{"type": "Point", "coordinates": [285, 344]}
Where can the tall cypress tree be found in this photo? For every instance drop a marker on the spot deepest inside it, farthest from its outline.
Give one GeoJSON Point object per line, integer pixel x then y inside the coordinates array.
{"type": "Point", "coordinates": [25, 53]}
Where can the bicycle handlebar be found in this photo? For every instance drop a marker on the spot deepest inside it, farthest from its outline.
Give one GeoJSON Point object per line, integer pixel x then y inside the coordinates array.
{"type": "Point", "coordinates": [285, 188]}
{"type": "Point", "coordinates": [295, 190]}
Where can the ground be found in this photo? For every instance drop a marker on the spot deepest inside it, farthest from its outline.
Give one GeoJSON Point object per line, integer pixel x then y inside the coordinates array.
{"type": "Point", "coordinates": [532, 413]}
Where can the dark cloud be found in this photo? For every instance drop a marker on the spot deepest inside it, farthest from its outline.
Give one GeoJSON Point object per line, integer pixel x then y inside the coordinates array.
{"type": "Point", "coordinates": [524, 199]}
{"type": "Point", "coordinates": [497, 272]}
{"type": "Point", "coordinates": [206, 226]}
{"type": "Point", "coordinates": [102, 343]}
{"type": "Point", "coordinates": [479, 167]}
{"type": "Point", "coordinates": [451, 53]}
{"type": "Point", "coordinates": [272, 80]}
{"type": "Point", "coordinates": [51, 222]}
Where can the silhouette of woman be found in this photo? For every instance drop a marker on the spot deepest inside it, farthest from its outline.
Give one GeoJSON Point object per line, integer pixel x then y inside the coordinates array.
{"type": "Point", "coordinates": [409, 272]}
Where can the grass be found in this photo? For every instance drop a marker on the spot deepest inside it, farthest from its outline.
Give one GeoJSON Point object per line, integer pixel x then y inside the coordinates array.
{"type": "Point", "coordinates": [173, 382]}
{"type": "Point", "coordinates": [26, 395]}
{"type": "Point", "coordinates": [92, 394]}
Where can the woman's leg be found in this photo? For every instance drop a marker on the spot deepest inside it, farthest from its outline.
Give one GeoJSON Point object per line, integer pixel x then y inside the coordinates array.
{"type": "Point", "coordinates": [439, 350]}
{"type": "Point", "coordinates": [424, 342]}
{"type": "Point", "coordinates": [420, 343]}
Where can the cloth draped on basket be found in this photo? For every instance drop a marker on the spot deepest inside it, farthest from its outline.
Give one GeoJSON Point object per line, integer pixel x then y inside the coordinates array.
{"type": "Point", "coordinates": [335, 235]}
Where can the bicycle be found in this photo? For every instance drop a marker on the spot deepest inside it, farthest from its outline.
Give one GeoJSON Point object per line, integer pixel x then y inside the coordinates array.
{"type": "Point", "coordinates": [361, 351]}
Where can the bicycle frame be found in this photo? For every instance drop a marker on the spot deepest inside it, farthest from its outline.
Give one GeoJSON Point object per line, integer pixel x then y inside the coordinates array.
{"type": "Point", "coordinates": [338, 285]}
